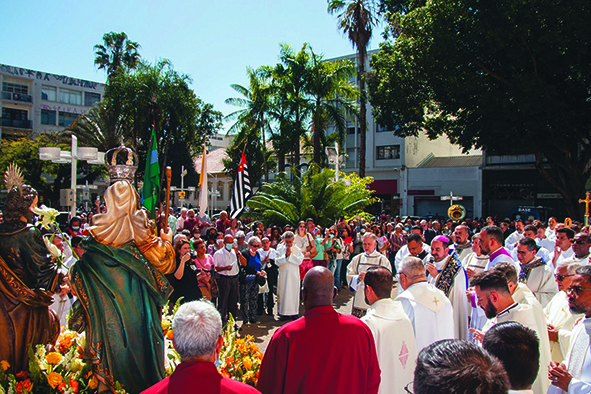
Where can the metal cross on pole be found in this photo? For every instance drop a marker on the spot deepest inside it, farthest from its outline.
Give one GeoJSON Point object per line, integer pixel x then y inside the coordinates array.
{"type": "Point", "coordinates": [451, 198]}
{"type": "Point", "coordinates": [587, 200]}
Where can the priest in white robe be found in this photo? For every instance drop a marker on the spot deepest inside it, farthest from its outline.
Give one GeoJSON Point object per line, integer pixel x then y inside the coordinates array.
{"type": "Point", "coordinates": [462, 245]}
{"type": "Point", "coordinates": [563, 248]}
{"type": "Point", "coordinates": [581, 246]}
{"type": "Point", "coordinates": [574, 375]}
{"type": "Point", "coordinates": [535, 273]}
{"type": "Point", "coordinates": [448, 275]}
{"type": "Point", "coordinates": [559, 317]}
{"type": "Point", "coordinates": [427, 307]}
{"type": "Point", "coordinates": [288, 259]}
{"type": "Point", "coordinates": [357, 268]}
{"type": "Point", "coordinates": [495, 298]}
{"type": "Point", "coordinates": [392, 332]}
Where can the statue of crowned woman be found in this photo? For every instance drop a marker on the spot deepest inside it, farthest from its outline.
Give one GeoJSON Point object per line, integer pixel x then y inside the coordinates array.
{"type": "Point", "coordinates": [121, 286]}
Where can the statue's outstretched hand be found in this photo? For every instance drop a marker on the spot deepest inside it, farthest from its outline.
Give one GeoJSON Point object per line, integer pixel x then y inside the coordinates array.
{"type": "Point", "coordinates": [166, 236]}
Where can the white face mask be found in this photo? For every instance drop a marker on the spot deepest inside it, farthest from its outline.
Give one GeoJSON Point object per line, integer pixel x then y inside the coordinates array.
{"type": "Point", "coordinates": [219, 241]}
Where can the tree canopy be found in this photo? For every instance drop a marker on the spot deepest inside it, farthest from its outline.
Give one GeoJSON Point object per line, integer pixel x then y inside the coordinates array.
{"type": "Point", "coordinates": [116, 51]}
{"type": "Point", "coordinates": [505, 76]}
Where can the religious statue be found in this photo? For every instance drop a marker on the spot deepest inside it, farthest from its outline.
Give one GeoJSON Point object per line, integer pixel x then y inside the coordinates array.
{"type": "Point", "coordinates": [121, 287]}
{"type": "Point", "coordinates": [28, 277]}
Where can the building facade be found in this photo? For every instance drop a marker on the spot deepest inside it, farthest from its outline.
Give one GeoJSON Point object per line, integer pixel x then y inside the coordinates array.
{"type": "Point", "coordinates": [36, 101]}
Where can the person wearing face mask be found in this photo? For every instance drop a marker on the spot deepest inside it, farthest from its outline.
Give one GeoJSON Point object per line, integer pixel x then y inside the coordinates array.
{"type": "Point", "coordinates": [74, 227]}
{"type": "Point", "coordinates": [226, 265]}
{"type": "Point", "coordinates": [216, 244]}
{"type": "Point", "coordinates": [184, 279]}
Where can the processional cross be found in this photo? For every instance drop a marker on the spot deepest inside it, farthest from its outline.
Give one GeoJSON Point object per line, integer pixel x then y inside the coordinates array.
{"type": "Point", "coordinates": [451, 198]}
{"type": "Point", "coordinates": [587, 200]}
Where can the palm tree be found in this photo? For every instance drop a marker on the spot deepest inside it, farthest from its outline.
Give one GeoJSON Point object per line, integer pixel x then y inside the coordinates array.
{"type": "Point", "coordinates": [255, 106]}
{"type": "Point", "coordinates": [117, 51]}
{"type": "Point", "coordinates": [314, 195]}
{"type": "Point", "coordinates": [99, 128]}
{"type": "Point", "coordinates": [330, 99]}
{"type": "Point", "coordinates": [357, 18]}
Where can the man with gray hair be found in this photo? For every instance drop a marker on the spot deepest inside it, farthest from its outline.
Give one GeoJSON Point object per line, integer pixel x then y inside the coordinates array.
{"type": "Point", "coordinates": [198, 340]}
{"type": "Point", "coordinates": [427, 307]}
{"type": "Point", "coordinates": [560, 319]}
{"type": "Point", "coordinates": [357, 268]}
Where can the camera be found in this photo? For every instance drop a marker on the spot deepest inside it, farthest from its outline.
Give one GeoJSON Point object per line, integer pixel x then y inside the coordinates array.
{"type": "Point", "coordinates": [193, 255]}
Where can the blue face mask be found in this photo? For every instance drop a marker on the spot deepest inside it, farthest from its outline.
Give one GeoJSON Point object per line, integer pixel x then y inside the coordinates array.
{"type": "Point", "coordinates": [331, 236]}
{"type": "Point", "coordinates": [75, 228]}
{"type": "Point", "coordinates": [229, 246]}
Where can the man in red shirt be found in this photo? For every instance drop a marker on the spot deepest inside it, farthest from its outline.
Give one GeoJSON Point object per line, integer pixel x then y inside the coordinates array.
{"type": "Point", "coordinates": [197, 328]}
{"type": "Point", "coordinates": [322, 352]}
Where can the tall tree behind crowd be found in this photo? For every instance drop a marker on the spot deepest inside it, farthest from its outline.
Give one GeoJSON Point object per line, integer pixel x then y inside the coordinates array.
{"type": "Point", "coordinates": [357, 18]}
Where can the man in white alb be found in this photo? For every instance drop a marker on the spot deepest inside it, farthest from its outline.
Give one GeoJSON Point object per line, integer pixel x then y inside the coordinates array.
{"type": "Point", "coordinates": [417, 248]}
{"type": "Point", "coordinates": [535, 273]}
{"type": "Point", "coordinates": [448, 275]}
{"type": "Point", "coordinates": [495, 298]}
{"type": "Point", "coordinates": [357, 268]}
{"type": "Point", "coordinates": [514, 237]}
{"type": "Point", "coordinates": [530, 231]}
{"type": "Point", "coordinates": [559, 317]}
{"type": "Point", "coordinates": [491, 244]}
{"type": "Point", "coordinates": [392, 331]}
{"type": "Point", "coordinates": [581, 244]}
{"type": "Point", "coordinates": [288, 259]}
{"type": "Point", "coordinates": [563, 249]}
{"type": "Point", "coordinates": [574, 376]}
{"type": "Point", "coordinates": [462, 244]}
{"type": "Point", "coordinates": [427, 307]}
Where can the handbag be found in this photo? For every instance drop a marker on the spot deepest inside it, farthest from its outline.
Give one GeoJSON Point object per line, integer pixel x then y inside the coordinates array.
{"type": "Point", "coordinates": [261, 280]}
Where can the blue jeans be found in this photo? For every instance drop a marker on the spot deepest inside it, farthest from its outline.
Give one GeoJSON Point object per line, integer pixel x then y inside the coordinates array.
{"type": "Point", "coordinates": [337, 273]}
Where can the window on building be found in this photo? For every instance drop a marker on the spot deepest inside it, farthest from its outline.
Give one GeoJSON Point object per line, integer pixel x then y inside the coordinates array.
{"type": "Point", "coordinates": [15, 88]}
{"type": "Point", "coordinates": [66, 118]}
{"type": "Point", "coordinates": [388, 152]}
{"type": "Point", "coordinates": [220, 189]}
{"type": "Point", "coordinates": [350, 130]}
{"type": "Point", "coordinates": [91, 98]}
{"type": "Point", "coordinates": [381, 129]}
{"type": "Point", "coordinates": [48, 117]}
{"type": "Point", "coordinates": [48, 93]}
{"type": "Point", "coordinates": [14, 114]}
{"type": "Point", "coordinates": [70, 96]}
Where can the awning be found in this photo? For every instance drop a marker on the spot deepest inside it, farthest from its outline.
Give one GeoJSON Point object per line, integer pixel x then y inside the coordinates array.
{"type": "Point", "coordinates": [384, 186]}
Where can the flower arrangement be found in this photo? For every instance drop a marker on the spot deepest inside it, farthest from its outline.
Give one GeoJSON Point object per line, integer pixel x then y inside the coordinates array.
{"type": "Point", "coordinates": [58, 369]}
{"type": "Point", "coordinates": [240, 358]}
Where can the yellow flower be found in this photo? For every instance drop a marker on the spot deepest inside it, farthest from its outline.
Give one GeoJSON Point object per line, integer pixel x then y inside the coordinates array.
{"type": "Point", "coordinates": [247, 362]}
{"type": "Point", "coordinates": [4, 365]}
{"type": "Point", "coordinates": [53, 358]}
{"type": "Point", "coordinates": [54, 379]}
{"type": "Point", "coordinates": [93, 382]}
{"type": "Point", "coordinates": [76, 366]}
{"type": "Point", "coordinates": [47, 215]}
{"type": "Point", "coordinates": [165, 324]}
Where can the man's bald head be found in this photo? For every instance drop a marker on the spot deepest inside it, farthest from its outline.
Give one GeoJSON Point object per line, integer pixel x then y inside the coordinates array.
{"type": "Point", "coordinates": [318, 288]}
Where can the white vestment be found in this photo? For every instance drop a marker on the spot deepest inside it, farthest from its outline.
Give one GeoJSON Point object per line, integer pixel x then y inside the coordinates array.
{"type": "Point", "coordinates": [542, 283]}
{"type": "Point", "coordinates": [430, 313]}
{"type": "Point", "coordinates": [462, 253]}
{"type": "Point", "coordinates": [525, 315]}
{"type": "Point", "coordinates": [565, 254]}
{"type": "Point", "coordinates": [395, 344]}
{"type": "Point", "coordinates": [288, 283]}
{"type": "Point", "coordinates": [579, 348]}
{"type": "Point", "coordinates": [403, 252]}
{"type": "Point", "coordinates": [559, 315]}
{"type": "Point", "coordinates": [457, 296]}
{"type": "Point", "coordinates": [359, 264]}
{"type": "Point", "coordinates": [512, 240]}
{"type": "Point", "coordinates": [546, 243]}
{"type": "Point", "coordinates": [475, 262]}
{"type": "Point", "coordinates": [583, 260]}
{"type": "Point", "coordinates": [542, 253]}
{"type": "Point", "coordinates": [502, 258]}
{"type": "Point", "coordinates": [524, 296]}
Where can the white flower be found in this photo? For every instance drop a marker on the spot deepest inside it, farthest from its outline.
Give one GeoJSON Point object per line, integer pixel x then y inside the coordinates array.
{"type": "Point", "coordinates": [54, 251]}
{"type": "Point", "coordinates": [47, 215]}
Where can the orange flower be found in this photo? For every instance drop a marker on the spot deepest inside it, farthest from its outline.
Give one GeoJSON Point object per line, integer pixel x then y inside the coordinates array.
{"type": "Point", "coordinates": [93, 382]}
{"type": "Point", "coordinates": [54, 379]}
{"type": "Point", "coordinates": [169, 335]}
{"type": "Point", "coordinates": [4, 365]}
{"type": "Point", "coordinates": [62, 387]}
{"type": "Point", "coordinates": [53, 358]}
{"type": "Point", "coordinates": [23, 386]}
{"type": "Point", "coordinates": [73, 385]}
{"type": "Point", "coordinates": [22, 375]}
{"type": "Point", "coordinates": [225, 373]}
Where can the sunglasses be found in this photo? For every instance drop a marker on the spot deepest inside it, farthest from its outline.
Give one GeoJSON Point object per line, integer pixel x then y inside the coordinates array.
{"type": "Point", "coordinates": [256, 246]}
{"type": "Point", "coordinates": [560, 278]}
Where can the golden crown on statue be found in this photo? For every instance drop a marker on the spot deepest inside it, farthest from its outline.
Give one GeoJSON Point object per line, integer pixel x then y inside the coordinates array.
{"type": "Point", "coordinates": [121, 163]}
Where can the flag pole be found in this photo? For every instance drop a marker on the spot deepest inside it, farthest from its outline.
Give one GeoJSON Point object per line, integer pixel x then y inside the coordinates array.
{"type": "Point", "coordinates": [168, 176]}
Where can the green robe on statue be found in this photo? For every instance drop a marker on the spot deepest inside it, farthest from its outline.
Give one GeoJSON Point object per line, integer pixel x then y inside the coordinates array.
{"type": "Point", "coordinates": [120, 295]}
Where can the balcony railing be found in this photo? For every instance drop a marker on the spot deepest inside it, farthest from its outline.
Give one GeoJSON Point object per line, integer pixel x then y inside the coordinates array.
{"type": "Point", "coordinates": [24, 98]}
{"type": "Point", "coordinates": [20, 124]}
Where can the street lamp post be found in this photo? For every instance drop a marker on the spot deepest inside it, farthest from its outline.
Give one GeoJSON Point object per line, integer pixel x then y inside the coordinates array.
{"type": "Point", "coordinates": [334, 158]}
{"type": "Point", "coordinates": [56, 155]}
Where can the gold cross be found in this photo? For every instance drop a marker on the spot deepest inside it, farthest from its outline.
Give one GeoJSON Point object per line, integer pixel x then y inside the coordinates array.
{"type": "Point", "coordinates": [435, 301]}
{"type": "Point", "coordinates": [587, 200]}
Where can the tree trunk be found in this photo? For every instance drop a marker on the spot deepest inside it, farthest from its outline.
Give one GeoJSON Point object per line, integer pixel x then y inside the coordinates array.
{"type": "Point", "coordinates": [265, 165]}
{"type": "Point", "coordinates": [281, 161]}
{"type": "Point", "coordinates": [362, 113]}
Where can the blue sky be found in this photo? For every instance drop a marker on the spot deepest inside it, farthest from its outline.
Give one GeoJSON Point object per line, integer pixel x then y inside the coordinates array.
{"type": "Point", "coordinates": [211, 41]}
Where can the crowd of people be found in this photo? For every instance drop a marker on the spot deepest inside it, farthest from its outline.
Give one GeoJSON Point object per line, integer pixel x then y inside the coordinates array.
{"type": "Point", "coordinates": [426, 294]}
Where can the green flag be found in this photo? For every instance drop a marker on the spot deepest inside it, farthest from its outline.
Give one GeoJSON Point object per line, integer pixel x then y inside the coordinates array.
{"type": "Point", "coordinates": [151, 188]}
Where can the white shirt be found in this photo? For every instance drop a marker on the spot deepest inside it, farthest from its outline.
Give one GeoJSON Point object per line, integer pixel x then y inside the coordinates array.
{"type": "Point", "coordinates": [271, 253]}
{"type": "Point", "coordinates": [512, 239]}
{"type": "Point", "coordinates": [226, 258]}
{"type": "Point", "coordinates": [403, 252]}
